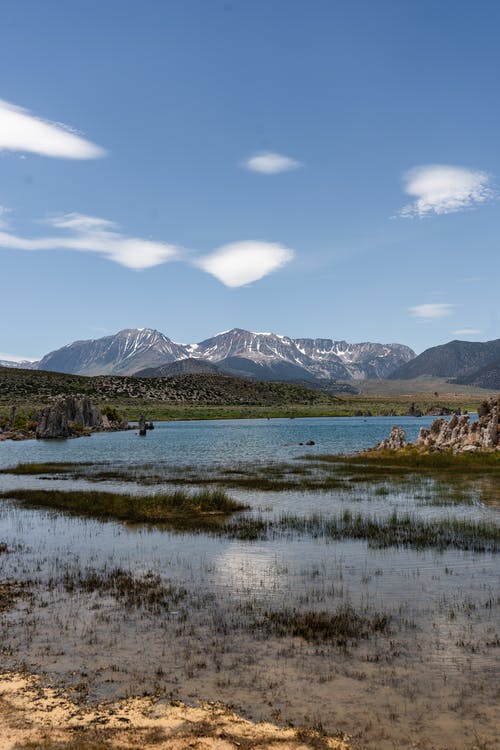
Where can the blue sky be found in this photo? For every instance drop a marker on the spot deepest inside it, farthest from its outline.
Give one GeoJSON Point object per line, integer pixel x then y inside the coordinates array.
{"type": "Point", "coordinates": [314, 168]}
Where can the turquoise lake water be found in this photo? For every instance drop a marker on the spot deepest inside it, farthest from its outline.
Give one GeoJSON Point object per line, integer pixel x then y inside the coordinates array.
{"type": "Point", "coordinates": [217, 441]}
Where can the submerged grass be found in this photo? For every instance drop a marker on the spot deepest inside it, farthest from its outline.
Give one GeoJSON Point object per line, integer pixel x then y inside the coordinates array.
{"type": "Point", "coordinates": [11, 591]}
{"type": "Point", "coordinates": [342, 627]}
{"type": "Point", "coordinates": [146, 591]}
{"type": "Point", "coordinates": [278, 477]}
{"type": "Point", "coordinates": [180, 507]}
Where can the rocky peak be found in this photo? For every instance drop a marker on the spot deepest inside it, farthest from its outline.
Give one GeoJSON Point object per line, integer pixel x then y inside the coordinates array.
{"type": "Point", "coordinates": [257, 346]}
{"type": "Point", "coordinates": [123, 353]}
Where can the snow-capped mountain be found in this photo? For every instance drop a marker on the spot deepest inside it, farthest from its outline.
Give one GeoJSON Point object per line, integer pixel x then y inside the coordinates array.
{"type": "Point", "coordinates": [266, 356]}
{"type": "Point", "coordinates": [364, 360]}
{"type": "Point", "coordinates": [24, 364]}
{"type": "Point", "coordinates": [255, 346]}
{"type": "Point", "coordinates": [321, 358]}
{"type": "Point", "coordinates": [121, 354]}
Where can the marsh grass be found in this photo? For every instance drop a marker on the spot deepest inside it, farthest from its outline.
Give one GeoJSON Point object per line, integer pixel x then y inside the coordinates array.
{"type": "Point", "coordinates": [36, 469]}
{"type": "Point", "coordinates": [394, 531]}
{"type": "Point", "coordinates": [456, 479]}
{"type": "Point", "coordinates": [179, 508]}
{"type": "Point", "coordinates": [207, 510]}
{"type": "Point", "coordinates": [394, 462]}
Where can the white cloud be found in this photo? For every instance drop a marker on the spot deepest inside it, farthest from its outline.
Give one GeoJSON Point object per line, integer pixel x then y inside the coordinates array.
{"type": "Point", "coordinates": [431, 311]}
{"type": "Point", "coordinates": [467, 332]}
{"type": "Point", "coordinates": [444, 189]}
{"type": "Point", "coordinates": [22, 131]}
{"type": "Point", "coordinates": [270, 163]}
{"type": "Point", "coordinates": [236, 264]}
{"type": "Point", "coordinates": [240, 263]}
{"type": "Point", "coordinates": [95, 235]}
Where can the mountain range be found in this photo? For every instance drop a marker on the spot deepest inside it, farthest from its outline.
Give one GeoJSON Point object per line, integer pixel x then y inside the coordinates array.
{"type": "Point", "coordinates": [259, 356]}
{"type": "Point", "coordinates": [272, 357]}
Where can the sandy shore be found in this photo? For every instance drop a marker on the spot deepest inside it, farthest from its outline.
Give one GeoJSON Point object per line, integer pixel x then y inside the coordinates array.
{"type": "Point", "coordinates": [35, 716]}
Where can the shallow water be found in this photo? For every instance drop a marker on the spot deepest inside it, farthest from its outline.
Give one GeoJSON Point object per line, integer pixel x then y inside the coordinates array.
{"type": "Point", "coordinates": [429, 682]}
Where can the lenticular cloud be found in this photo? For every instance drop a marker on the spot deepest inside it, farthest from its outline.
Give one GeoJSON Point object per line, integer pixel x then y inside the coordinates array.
{"type": "Point", "coordinates": [22, 131]}
{"type": "Point", "coordinates": [444, 189]}
{"type": "Point", "coordinates": [432, 310]}
{"type": "Point", "coordinates": [271, 163]}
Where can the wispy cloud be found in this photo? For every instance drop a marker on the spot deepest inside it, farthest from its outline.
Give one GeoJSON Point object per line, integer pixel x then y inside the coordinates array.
{"type": "Point", "coordinates": [467, 332]}
{"type": "Point", "coordinates": [3, 217]}
{"type": "Point", "coordinates": [444, 189]}
{"type": "Point", "coordinates": [22, 131]}
{"type": "Point", "coordinates": [95, 235]}
{"type": "Point", "coordinates": [431, 311]}
{"type": "Point", "coordinates": [271, 163]}
{"type": "Point", "coordinates": [240, 263]}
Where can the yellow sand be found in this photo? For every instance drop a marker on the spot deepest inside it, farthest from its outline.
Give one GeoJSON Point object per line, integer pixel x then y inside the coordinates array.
{"type": "Point", "coordinates": [48, 718]}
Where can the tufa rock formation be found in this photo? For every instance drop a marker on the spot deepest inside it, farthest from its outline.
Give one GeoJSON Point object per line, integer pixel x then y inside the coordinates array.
{"type": "Point", "coordinates": [142, 425]}
{"type": "Point", "coordinates": [68, 417]}
{"type": "Point", "coordinates": [395, 441]}
{"type": "Point", "coordinates": [457, 434]}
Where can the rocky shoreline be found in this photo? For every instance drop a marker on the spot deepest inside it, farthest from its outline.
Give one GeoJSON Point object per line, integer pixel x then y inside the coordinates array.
{"type": "Point", "coordinates": [457, 435]}
{"type": "Point", "coordinates": [65, 417]}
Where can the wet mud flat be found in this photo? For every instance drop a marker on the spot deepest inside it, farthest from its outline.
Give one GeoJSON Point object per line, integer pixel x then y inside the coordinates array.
{"type": "Point", "coordinates": [390, 646]}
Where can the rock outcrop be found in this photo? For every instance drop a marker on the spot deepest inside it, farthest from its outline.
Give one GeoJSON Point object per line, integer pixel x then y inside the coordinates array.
{"type": "Point", "coordinates": [68, 417]}
{"type": "Point", "coordinates": [395, 441]}
{"type": "Point", "coordinates": [457, 434]}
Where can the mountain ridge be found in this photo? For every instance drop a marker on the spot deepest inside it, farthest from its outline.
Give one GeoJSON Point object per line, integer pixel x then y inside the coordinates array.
{"type": "Point", "coordinates": [133, 350]}
{"type": "Point", "coordinates": [457, 360]}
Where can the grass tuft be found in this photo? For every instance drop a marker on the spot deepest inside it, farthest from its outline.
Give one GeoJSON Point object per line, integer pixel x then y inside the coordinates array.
{"type": "Point", "coordinates": [343, 627]}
